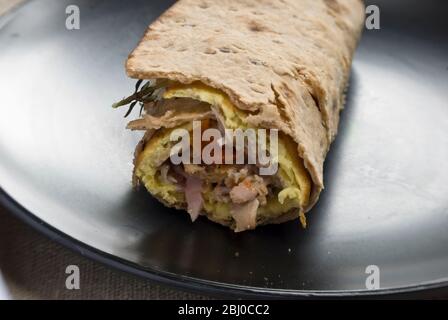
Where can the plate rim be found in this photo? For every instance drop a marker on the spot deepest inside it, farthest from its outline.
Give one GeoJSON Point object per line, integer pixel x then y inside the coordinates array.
{"type": "Point", "coordinates": [192, 284]}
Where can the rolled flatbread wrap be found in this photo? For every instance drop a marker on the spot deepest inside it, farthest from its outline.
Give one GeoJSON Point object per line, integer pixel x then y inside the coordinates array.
{"type": "Point", "coordinates": [239, 64]}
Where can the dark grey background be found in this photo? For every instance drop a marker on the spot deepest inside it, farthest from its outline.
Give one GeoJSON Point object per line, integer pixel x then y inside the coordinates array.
{"type": "Point", "coordinates": [66, 158]}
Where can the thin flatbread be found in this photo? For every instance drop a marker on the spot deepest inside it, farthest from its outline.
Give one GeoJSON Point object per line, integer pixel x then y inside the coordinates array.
{"type": "Point", "coordinates": [287, 62]}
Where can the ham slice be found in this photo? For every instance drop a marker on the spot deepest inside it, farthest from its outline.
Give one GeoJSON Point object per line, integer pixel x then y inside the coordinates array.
{"type": "Point", "coordinates": [171, 113]}
{"type": "Point", "coordinates": [250, 188]}
{"type": "Point", "coordinates": [245, 215]}
{"type": "Point", "coordinates": [193, 189]}
{"type": "Point", "coordinates": [243, 193]}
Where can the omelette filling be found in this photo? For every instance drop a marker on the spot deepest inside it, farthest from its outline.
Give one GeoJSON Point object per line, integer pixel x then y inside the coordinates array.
{"type": "Point", "coordinates": [236, 195]}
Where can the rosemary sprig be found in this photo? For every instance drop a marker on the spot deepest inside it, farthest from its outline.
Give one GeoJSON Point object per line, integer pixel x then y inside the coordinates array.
{"type": "Point", "coordinates": [147, 93]}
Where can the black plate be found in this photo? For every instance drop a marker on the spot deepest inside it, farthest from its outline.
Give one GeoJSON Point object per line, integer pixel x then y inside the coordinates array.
{"type": "Point", "coordinates": [65, 161]}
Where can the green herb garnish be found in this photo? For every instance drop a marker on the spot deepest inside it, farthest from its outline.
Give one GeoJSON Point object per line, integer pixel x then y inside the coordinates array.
{"type": "Point", "coordinates": [149, 92]}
